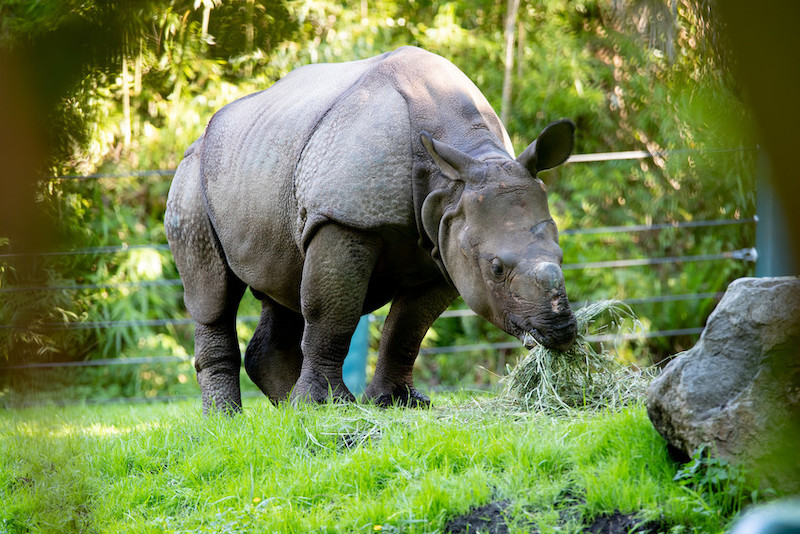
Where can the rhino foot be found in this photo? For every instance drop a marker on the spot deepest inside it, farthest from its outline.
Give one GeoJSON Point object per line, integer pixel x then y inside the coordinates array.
{"type": "Point", "coordinates": [407, 396]}
{"type": "Point", "coordinates": [320, 391]}
{"type": "Point", "coordinates": [223, 403]}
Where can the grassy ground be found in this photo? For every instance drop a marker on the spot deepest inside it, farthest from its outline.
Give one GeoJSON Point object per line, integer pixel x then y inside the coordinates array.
{"type": "Point", "coordinates": [165, 468]}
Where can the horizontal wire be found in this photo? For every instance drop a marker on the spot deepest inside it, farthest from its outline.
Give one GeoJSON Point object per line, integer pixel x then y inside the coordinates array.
{"type": "Point", "coordinates": [129, 174]}
{"type": "Point", "coordinates": [453, 349]}
{"type": "Point", "coordinates": [659, 226]}
{"type": "Point", "coordinates": [89, 251]}
{"type": "Point", "coordinates": [647, 335]}
{"type": "Point", "coordinates": [119, 324]}
{"type": "Point", "coordinates": [748, 254]}
{"type": "Point", "coordinates": [79, 287]}
{"type": "Point", "coordinates": [743, 254]}
{"type": "Point", "coordinates": [29, 403]}
{"type": "Point", "coordinates": [448, 314]}
{"type": "Point", "coordinates": [668, 298]}
{"type": "Point", "coordinates": [139, 360]}
{"type": "Point", "coordinates": [133, 323]}
{"type": "Point", "coordinates": [611, 156]}
{"type": "Point", "coordinates": [116, 249]}
{"type": "Point", "coordinates": [575, 158]}
{"type": "Point", "coordinates": [644, 154]}
{"type": "Point", "coordinates": [469, 348]}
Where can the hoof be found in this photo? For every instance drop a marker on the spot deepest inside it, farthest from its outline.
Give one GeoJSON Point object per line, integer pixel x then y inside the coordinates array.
{"type": "Point", "coordinates": [404, 396]}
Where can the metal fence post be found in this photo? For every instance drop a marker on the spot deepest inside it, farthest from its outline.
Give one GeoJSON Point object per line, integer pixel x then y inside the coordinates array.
{"type": "Point", "coordinates": [774, 247]}
{"type": "Point", "coordinates": [354, 370]}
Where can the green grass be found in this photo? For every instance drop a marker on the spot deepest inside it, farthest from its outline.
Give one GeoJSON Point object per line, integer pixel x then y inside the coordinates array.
{"type": "Point", "coordinates": [334, 468]}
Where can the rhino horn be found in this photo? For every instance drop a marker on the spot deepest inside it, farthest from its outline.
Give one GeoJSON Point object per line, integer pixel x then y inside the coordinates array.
{"type": "Point", "coordinates": [551, 148]}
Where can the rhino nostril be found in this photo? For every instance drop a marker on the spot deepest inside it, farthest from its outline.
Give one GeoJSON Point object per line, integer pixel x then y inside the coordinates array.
{"type": "Point", "coordinates": [548, 276]}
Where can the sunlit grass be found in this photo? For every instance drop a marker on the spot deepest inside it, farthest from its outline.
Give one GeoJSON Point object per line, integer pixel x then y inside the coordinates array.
{"type": "Point", "coordinates": [165, 468]}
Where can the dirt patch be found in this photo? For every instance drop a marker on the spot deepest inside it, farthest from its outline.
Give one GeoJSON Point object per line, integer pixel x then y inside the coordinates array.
{"type": "Point", "coordinates": [489, 518]}
{"type": "Point", "coordinates": [617, 523]}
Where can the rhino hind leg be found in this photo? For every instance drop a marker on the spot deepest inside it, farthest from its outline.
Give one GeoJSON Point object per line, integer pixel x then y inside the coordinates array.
{"type": "Point", "coordinates": [211, 291]}
{"type": "Point", "coordinates": [336, 273]}
{"type": "Point", "coordinates": [216, 347]}
{"type": "Point", "coordinates": [273, 357]}
{"type": "Point", "coordinates": [412, 313]}
{"type": "Point", "coordinates": [217, 361]}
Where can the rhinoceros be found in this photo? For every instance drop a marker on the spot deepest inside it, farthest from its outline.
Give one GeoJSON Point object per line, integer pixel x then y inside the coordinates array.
{"type": "Point", "coordinates": [343, 187]}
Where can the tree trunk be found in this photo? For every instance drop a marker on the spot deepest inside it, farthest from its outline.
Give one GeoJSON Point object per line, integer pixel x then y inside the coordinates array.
{"type": "Point", "coordinates": [520, 47]}
{"type": "Point", "coordinates": [206, 19]}
{"type": "Point", "coordinates": [510, 26]}
{"type": "Point", "coordinates": [249, 35]}
{"type": "Point", "coordinates": [126, 104]}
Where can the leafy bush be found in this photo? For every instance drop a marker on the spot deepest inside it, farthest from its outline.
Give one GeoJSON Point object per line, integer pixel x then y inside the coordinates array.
{"type": "Point", "coordinates": [718, 487]}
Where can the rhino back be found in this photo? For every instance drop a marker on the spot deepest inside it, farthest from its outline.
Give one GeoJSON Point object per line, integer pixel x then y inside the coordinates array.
{"type": "Point", "coordinates": [356, 168]}
{"type": "Point", "coordinates": [248, 156]}
{"type": "Point", "coordinates": [444, 102]}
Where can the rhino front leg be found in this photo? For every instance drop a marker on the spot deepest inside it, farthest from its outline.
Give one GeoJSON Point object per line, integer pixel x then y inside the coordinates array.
{"type": "Point", "coordinates": [412, 313]}
{"type": "Point", "coordinates": [336, 274]}
{"type": "Point", "coordinates": [273, 357]}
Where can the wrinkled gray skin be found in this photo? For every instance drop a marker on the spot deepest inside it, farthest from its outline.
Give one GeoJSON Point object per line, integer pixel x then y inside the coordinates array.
{"type": "Point", "coordinates": [346, 186]}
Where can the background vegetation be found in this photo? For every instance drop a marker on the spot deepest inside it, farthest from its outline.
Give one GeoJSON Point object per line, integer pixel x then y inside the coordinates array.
{"type": "Point", "coordinates": [125, 87]}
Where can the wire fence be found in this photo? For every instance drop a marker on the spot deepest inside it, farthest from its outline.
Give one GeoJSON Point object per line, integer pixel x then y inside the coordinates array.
{"type": "Point", "coordinates": [746, 254]}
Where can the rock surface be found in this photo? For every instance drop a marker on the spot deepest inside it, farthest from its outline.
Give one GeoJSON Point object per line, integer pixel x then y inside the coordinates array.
{"type": "Point", "coordinates": [738, 388]}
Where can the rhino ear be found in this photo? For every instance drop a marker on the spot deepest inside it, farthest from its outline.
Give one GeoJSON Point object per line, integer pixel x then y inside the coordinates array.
{"type": "Point", "coordinates": [453, 163]}
{"type": "Point", "coordinates": [551, 148]}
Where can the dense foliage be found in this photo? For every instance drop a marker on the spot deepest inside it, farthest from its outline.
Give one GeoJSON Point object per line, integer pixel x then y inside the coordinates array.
{"type": "Point", "coordinates": [143, 79]}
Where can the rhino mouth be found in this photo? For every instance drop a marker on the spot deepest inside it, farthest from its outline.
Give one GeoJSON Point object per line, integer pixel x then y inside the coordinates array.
{"type": "Point", "coordinates": [559, 333]}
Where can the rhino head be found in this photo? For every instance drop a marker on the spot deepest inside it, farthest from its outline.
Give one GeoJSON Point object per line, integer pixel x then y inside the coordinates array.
{"type": "Point", "coordinates": [495, 239]}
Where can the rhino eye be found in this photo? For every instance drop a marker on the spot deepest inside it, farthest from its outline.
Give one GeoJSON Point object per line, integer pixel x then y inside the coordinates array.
{"type": "Point", "coordinates": [497, 267]}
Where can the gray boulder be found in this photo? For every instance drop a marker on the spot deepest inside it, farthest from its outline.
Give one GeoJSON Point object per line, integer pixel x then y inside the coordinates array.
{"type": "Point", "coordinates": [738, 389]}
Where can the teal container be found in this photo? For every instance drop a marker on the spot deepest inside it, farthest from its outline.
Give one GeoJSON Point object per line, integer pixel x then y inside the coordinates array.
{"type": "Point", "coordinates": [773, 242]}
{"type": "Point", "coordinates": [354, 371]}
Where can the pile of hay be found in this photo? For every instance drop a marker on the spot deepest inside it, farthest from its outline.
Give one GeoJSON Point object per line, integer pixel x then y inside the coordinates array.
{"type": "Point", "coordinates": [579, 378]}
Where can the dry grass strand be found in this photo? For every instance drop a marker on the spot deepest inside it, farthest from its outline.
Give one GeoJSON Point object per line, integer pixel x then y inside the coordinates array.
{"type": "Point", "coordinates": [558, 381]}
